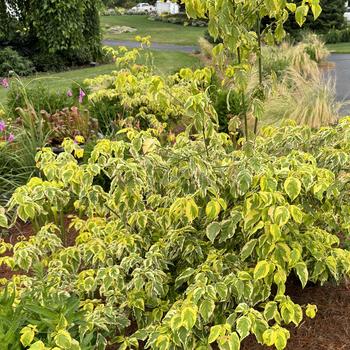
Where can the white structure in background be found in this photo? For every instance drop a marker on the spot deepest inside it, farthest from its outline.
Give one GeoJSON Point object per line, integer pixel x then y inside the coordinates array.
{"type": "Point", "coordinates": [141, 8]}
{"type": "Point", "coordinates": [167, 7]}
{"type": "Point", "coordinates": [347, 11]}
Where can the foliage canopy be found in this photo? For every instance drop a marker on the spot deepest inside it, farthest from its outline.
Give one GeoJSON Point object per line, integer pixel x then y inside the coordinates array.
{"type": "Point", "coordinates": [70, 28]}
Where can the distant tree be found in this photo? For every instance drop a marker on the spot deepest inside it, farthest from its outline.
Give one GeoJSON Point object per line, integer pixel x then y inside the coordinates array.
{"type": "Point", "coordinates": [332, 16]}
{"type": "Point", "coordinates": [65, 28]}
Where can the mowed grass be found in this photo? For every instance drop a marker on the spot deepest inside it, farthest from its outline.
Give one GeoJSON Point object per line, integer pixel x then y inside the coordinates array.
{"type": "Point", "coordinates": [166, 33]}
{"type": "Point", "coordinates": [339, 48]}
{"type": "Point", "coordinates": [165, 62]}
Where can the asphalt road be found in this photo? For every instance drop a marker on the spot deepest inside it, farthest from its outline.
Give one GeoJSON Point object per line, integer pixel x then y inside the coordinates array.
{"type": "Point", "coordinates": [341, 74]}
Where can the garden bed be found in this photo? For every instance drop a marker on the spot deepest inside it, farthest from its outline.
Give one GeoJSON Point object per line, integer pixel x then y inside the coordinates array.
{"type": "Point", "coordinates": [329, 330]}
{"type": "Point", "coordinates": [331, 327]}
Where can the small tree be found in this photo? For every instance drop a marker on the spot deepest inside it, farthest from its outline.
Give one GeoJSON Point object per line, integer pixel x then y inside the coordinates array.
{"type": "Point", "coordinates": [238, 24]}
{"type": "Point", "coordinates": [332, 16]}
{"type": "Point", "coordinates": [68, 28]}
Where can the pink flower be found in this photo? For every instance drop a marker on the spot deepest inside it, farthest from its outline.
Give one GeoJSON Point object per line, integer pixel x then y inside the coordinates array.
{"type": "Point", "coordinates": [69, 93]}
{"type": "Point", "coordinates": [5, 83]}
{"type": "Point", "coordinates": [2, 126]}
{"type": "Point", "coordinates": [81, 95]}
{"type": "Point", "coordinates": [11, 138]}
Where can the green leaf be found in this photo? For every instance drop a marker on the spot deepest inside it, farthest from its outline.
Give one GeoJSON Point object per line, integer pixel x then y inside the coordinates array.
{"type": "Point", "coordinates": [213, 230]}
{"type": "Point", "coordinates": [184, 277]}
{"type": "Point", "coordinates": [213, 209]}
{"type": "Point", "coordinates": [298, 314]}
{"type": "Point", "coordinates": [302, 272]}
{"type": "Point", "coordinates": [234, 341]}
{"type": "Point", "coordinates": [3, 218]}
{"type": "Point", "coordinates": [281, 339]}
{"type": "Point", "coordinates": [27, 336]}
{"type": "Point", "coordinates": [292, 186]}
{"type": "Point", "coordinates": [29, 210]}
{"type": "Point", "coordinates": [188, 317]}
{"type": "Point", "coordinates": [269, 337]}
{"type": "Point", "coordinates": [281, 215]}
{"type": "Point", "coordinates": [191, 209]}
{"type": "Point", "coordinates": [248, 248]}
{"type": "Point", "coordinates": [222, 290]}
{"type": "Point", "coordinates": [244, 181]}
{"type": "Point", "coordinates": [175, 322]}
{"type": "Point", "coordinates": [300, 14]}
{"type": "Point", "coordinates": [215, 332]}
{"type": "Point", "coordinates": [296, 213]}
{"type": "Point", "coordinates": [311, 311]}
{"type": "Point", "coordinates": [63, 339]}
{"type": "Point", "coordinates": [39, 345]}
{"type": "Point", "coordinates": [243, 326]}
{"type": "Point", "coordinates": [291, 6]}
{"type": "Point", "coordinates": [331, 263]}
{"type": "Point", "coordinates": [261, 270]}
{"type": "Point", "coordinates": [163, 342]}
{"type": "Point", "coordinates": [270, 310]}
{"type": "Point", "coordinates": [206, 309]}
{"type": "Point", "coordinates": [275, 232]}
{"type": "Point", "coordinates": [316, 10]}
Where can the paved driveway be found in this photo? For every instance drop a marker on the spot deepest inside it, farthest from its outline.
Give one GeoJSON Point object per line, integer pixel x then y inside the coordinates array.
{"type": "Point", "coordinates": [341, 73]}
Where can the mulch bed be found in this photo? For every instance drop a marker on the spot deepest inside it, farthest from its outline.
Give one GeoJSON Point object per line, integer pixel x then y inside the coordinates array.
{"type": "Point", "coordinates": [330, 330]}
{"type": "Point", "coordinates": [23, 231]}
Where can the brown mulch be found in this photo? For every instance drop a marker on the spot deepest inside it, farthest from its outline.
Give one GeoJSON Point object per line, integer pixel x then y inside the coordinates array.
{"type": "Point", "coordinates": [22, 232]}
{"type": "Point", "coordinates": [330, 330]}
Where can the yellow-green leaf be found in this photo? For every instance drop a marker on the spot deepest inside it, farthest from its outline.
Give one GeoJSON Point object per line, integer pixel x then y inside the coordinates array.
{"type": "Point", "coordinates": [261, 270]}
{"type": "Point", "coordinates": [27, 336]}
{"type": "Point", "coordinates": [292, 186]}
{"type": "Point", "coordinates": [213, 209]}
{"type": "Point", "coordinates": [281, 215]}
{"type": "Point", "coordinates": [191, 209]}
{"type": "Point", "coordinates": [3, 218]}
{"type": "Point", "coordinates": [234, 341]}
{"type": "Point", "coordinates": [63, 339]}
{"type": "Point", "coordinates": [296, 213]}
{"type": "Point", "coordinates": [311, 311]}
{"type": "Point", "coordinates": [213, 230]}
{"type": "Point", "coordinates": [215, 332]}
{"type": "Point", "coordinates": [302, 272]}
{"type": "Point", "coordinates": [243, 326]}
{"type": "Point", "coordinates": [188, 317]}
{"type": "Point", "coordinates": [206, 309]}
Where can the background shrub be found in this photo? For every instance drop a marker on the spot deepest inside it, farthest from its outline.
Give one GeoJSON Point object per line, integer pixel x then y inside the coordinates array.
{"type": "Point", "coordinates": [11, 60]}
{"type": "Point", "coordinates": [334, 36]}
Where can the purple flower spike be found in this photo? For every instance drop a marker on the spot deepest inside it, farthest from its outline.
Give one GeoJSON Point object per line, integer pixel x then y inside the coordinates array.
{"type": "Point", "coordinates": [11, 138]}
{"type": "Point", "coordinates": [5, 83]}
{"type": "Point", "coordinates": [69, 93]}
{"type": "Point", "coordinates": [2, 126]}
{"type": "Point", "coordinates": [81, 95]}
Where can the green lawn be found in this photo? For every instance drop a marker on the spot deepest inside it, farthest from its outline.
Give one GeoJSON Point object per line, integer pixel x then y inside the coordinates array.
{"type": "Point", "coordinates": [160, 32]}
{"type": "Point", "coordinates": [339, 47]}
{"type": "Point", "coordinates": [165, 62]}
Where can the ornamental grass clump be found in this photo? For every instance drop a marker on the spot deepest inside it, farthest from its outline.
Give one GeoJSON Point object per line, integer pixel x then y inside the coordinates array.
{"type": "Point", "coordinates": [308, 100]}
